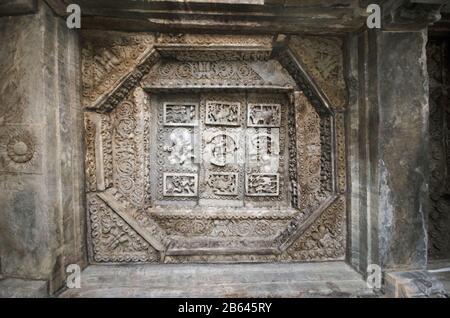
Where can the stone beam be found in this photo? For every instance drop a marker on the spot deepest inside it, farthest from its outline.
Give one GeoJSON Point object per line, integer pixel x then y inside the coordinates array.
{"type": "Point", "coordinates": [219, 16]}
{"type": "Point", "coordinates": [17, 7]}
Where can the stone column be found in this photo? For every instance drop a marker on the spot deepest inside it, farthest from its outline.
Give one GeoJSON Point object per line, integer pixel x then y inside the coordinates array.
{"type": "Point", "coordinates": [42, 221]}
{"type": "Point", "coordinates": [388, 134]}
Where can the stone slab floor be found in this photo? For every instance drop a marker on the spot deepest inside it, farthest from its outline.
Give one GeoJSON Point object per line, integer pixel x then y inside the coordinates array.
{"type": "Point", "coordinates": [330, 279]}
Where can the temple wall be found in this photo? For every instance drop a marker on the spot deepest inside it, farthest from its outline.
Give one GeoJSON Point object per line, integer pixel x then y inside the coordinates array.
{"type": "Point", "coordinates": [42, 221]}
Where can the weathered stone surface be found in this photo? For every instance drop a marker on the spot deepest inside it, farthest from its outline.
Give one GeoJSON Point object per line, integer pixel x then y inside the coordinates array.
{"type": "Point", "coordinates": [322, 58]}
{"type": "Point", "coordinates": [232, 16]}
{"type": "Point", "coordinates": [228, 91]}
{"type": "Point", "coordinates": [389, 145]}
{"type": "Point", "coordinates": [41, 219]}
{"type": "Point", "coordinates": [19, 288]}
{"type": "Point", "coordinates": [401, 148]}
{"type": "Point", "coordinates": [438, 53]}
{"type": "Point", "coordinates": [16, 7]}
{"type": "Point", "coordinates": [381, 141]}
{"type": "Point", "coordinates": [334, 279]}
{"type": "Point", "coordinates": [414, 284]}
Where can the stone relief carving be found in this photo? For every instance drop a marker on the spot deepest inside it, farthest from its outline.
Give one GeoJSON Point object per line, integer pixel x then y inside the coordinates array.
{"type": "Point", "coordinates": [223, 113]}
{"type": "Point", "coordinates": [222, 228]}
{"type": "Point", "coordinates": [20, 150]}
{"type": "Point", "coordinates": [438, 53]}
{"type": "Point", "coordinates": [181, 148]}
{"type": "Point", "coordinates": [340, 149]}
{"type": "Point", "coordinates": [263, 150]}
{"type": "Point", "coordinates": [180, 185]}
{"type": "Point", "coordinates": [223, 183]}
{"type": "Point", "coordinates": [90, 160]}
{"type": "Point", "coordinates": [216, 39]}
{"type": "Point", "coordinates": [309, 154]}
{"type": "Point", "coordinates": [113, 239]}
{"type": "Point", "coordinates": [263, 115]}
{"type": "Point", "coordinates": [221, 148]}
{"type": "Point", "coordinates": [169, 72]}
{"type": "Point", "coordinates": [130, 125]}
{"type": "Point", "coordinates": [142, 153]}
{"type": "Point", "coordinates": [322, 58]}
{"type": "Point", "coordinates": [180, 114]}
{"type": "Point", "coordinates": [107, 58]}
{"type": "Point", "coordinates": [262, 184]}
{"type": "Point", "coordinates": [325, 239]}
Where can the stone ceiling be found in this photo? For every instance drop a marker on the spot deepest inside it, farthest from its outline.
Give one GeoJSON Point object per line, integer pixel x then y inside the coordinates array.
{"type": "Point", "coordinates": [246, 16]}
{"type": "Point", "coordinates": [227, 15]}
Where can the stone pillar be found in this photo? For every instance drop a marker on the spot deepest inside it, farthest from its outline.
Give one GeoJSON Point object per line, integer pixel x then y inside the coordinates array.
{"type": "Point", "coordinates": [388, 131]}
{"type": "Point", "coordinates": [42, 221]}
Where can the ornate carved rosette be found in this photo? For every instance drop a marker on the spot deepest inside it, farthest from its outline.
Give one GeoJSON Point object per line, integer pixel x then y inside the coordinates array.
{"type": "Point", "coordinates": [19, 149]}
{"type": "Point", "coordinates": [180, 171]}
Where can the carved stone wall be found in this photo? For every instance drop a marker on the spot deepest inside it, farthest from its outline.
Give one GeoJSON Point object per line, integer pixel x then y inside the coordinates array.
{"type": "Point", "coordinates": [42, 219]}
{"type": "Point", "coordinates": [438, 52]}
{"type": "Point", "coordinates": [203, 148]}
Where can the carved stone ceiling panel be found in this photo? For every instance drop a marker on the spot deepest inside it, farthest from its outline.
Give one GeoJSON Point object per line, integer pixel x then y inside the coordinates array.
{"type": "Point", "coordinates": [322, 58]}
{"type": "Point", "coordinates": [211, 160]}
{"type": "Point", "coordinates": [107, 58]}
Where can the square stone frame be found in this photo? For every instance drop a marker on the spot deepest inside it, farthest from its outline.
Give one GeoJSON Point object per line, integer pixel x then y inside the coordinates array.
{"type": "Point", "coordinates": [314, 219]}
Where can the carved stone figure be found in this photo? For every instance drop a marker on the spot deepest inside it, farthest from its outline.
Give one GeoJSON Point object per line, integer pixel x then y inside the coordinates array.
{"type": "Point", "coordinates": [221, 149]}
{"type": "Point", "coordinates": [178, 184]}
{"type": "Point", "coordinates": [262, 184]}
{"type": "Point", "coordinates": [176, 167]}
{"type": "Point", "coordinates": [222, 113]}
{"type": "Point", "coordinates": [263, 115]}
{"type": "Point", "coordinates": [223, 183]}
{"type": "Point", "coordinates": [180, 147]}
{"type": "Point", "coordinates": [180, 115]}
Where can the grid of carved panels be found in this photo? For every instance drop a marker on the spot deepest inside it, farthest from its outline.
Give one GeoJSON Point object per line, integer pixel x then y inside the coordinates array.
{"type": "Point", "coordinates": [220, 150]}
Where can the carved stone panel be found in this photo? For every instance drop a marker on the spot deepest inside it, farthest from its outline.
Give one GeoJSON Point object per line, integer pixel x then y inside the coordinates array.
{"type": "Point", "coordinates": [180, 114]}
{"type": "Point", "coordinates": [208, 155]}
{"type": "Point", "coordinates": [223, 113]}
{"type": "Point", "coordinates": [262, 184]}
{"type": "Point", "coordinates": [263, 115]}
{"type": "Point", "coordinates": [223, 183]}
{"type": "Point", "coordinates": [180, 184]}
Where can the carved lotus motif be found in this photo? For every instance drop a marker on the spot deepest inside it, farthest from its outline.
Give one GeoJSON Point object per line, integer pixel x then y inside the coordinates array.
{"type": "Point", "coordinates": [21, 148]}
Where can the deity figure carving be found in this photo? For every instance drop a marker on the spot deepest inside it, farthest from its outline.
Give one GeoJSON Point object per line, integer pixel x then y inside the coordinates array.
{"type": "Point", "coordinates": [181, 185]}
{"type": "Point", "coordinates": [180, 147]}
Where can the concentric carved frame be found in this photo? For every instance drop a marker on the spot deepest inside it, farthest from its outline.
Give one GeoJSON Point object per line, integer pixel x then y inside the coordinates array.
{"type": "Point", "coordinates": [125, 227]}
